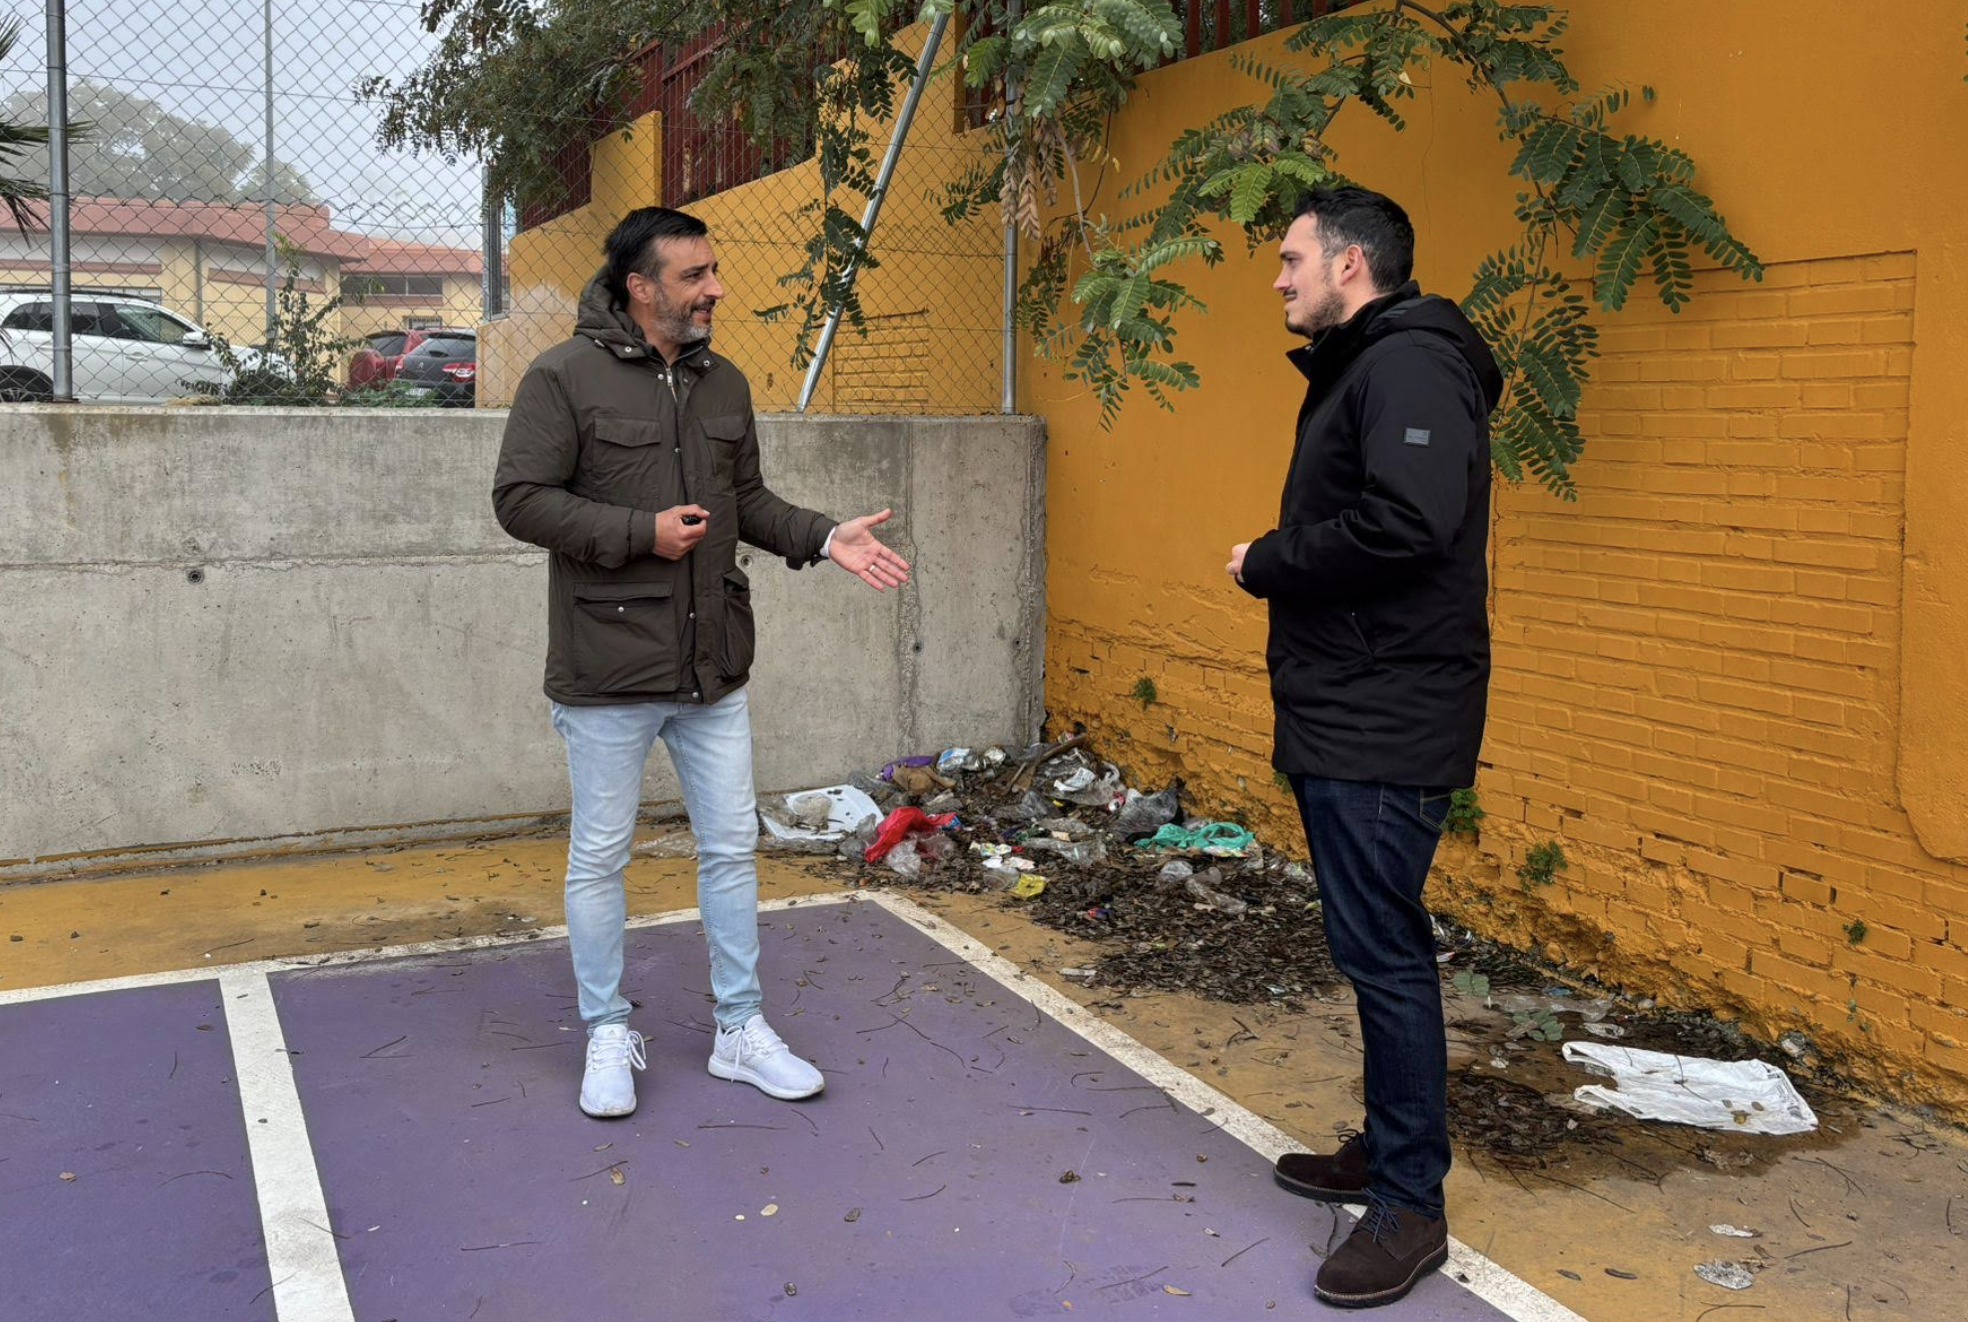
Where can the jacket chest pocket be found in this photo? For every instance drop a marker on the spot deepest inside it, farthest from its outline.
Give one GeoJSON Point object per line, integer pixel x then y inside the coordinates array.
{"type": "Point", "coordinates": [627, 454]}
{"type": "Point", "coordinates": [724, 433]}
{"type": "Point", "coordinates": [626, 638]}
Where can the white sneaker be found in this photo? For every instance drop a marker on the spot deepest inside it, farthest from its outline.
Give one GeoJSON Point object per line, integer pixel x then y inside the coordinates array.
{"type": "Point", "coordinates": [753, 1053]}
{"type": "Point", "coordinates": [607, 1087]}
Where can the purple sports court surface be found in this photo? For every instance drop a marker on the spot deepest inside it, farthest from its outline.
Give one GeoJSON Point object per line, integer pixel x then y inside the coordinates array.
{"type": "Point", "coordinates": [396, 1138]}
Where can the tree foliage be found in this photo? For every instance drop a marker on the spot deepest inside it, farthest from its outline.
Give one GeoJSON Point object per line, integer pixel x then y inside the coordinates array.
{"type": "Point", "coordinates": [1602, 211]}
{"type": "Point", "coordinates": [23, 144]}
{"type": "Point", "coordinates": [133, 147]}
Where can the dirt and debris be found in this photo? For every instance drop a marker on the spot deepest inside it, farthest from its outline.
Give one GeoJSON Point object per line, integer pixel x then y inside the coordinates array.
{"type": "Point", "coordinates": [1178, 903]}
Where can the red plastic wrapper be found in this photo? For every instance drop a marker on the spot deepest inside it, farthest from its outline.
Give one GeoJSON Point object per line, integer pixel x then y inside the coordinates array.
{"type": "Point", "coordinates": [900, 825]}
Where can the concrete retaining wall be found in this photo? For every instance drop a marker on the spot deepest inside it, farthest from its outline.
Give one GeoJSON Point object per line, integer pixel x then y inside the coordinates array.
{"type": "Point", "coordinates": [221, 629]}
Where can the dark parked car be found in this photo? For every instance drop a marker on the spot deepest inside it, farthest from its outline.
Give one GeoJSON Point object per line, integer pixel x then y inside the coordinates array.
{"type": "Point", "coordinates": [445, 366]}
{"type": "Point", "coordinates": [382, 354]}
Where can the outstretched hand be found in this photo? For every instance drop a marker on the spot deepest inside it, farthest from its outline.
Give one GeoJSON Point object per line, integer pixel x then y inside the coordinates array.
{"type": "Point", "coordinates": [860, 552]}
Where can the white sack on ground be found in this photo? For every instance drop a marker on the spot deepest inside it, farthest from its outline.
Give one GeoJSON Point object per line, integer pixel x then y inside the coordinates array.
{"type": "Point", "coordinates": [1747, 1096]}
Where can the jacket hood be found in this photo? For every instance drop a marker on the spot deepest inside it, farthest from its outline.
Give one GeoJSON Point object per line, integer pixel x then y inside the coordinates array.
{"type": "Point", "coordinates": [600, 317]}
{"type": "Point", "coordinates": [1413, 310]}
{"type": "Point", "coordinates": [1406, 309]}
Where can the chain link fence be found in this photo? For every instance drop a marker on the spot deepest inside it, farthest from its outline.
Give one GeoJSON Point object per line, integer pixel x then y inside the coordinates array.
{"type": "Point", "coordinates": [237, 231]}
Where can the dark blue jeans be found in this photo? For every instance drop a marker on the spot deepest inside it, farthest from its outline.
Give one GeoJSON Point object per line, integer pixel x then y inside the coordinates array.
{"type": "Point", "coordinates": [1371, 847]}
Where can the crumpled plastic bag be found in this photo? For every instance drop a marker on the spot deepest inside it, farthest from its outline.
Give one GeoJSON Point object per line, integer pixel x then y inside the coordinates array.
{"type": "Point", "coordinates": [916, 852]}
{"type": "Point", "coordinates": [1143, 814]}
{"type": "Point", "coordinates": [899, 826]}
{"type": "Point", "coordinates": [953, 762]}
{"type": "Point", "coordinates": [1202, 888]}
{"type": "Point", "coordinates": [1082, 786]}
{"type": "Point", "coordinates": [1748, 1096]}
{"type": "Point", "coordinates": [1030, 806]}
{"type": "Point", "coordinates": [1080, 853]}
{"type": "Point", "coordinates": [1217, 839]}
{"type": "Point", "coordinates": [1176, 869]}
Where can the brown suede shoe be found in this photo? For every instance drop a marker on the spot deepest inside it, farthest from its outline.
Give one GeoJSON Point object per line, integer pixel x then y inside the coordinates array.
{"type": "Point", "coordinates": [1337, 1177]}
{"type": "Point", "coordinates": [1381, 1260]}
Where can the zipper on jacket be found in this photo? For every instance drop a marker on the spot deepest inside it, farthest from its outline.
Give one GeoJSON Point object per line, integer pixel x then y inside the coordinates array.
{"type": "Point", "coordinates": [690, 578]}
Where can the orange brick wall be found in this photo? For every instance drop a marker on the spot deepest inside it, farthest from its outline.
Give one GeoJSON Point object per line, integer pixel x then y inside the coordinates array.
{"type": "Point", "coordinates": [1695, 689]}
{"type": "Point", "coordinates": [1696, 685]}
{"type": "Point", "coordinates": [1732, 678]}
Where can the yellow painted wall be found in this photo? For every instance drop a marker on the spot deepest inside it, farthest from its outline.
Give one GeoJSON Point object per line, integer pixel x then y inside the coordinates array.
{"type": "Point", "coordinates": [931, 306]}
{"type": "Point", "coordinates": [1732, 679]}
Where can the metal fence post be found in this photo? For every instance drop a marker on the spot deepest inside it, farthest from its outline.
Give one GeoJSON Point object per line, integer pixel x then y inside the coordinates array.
{"type": "Point", "coordinates": [902, 121]}
{"type": "Point", "coordinates": [62, 372]}
{"type": "Point", "coordinates": [492, 239]}
{"type": "Point", "coordinates": [1009, 402]}
{"type": "Point", "coordinates": [272, 246]}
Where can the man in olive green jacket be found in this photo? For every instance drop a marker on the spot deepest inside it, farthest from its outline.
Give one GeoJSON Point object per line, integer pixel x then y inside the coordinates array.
{"type": "Point", "coordinates": [632, 455]}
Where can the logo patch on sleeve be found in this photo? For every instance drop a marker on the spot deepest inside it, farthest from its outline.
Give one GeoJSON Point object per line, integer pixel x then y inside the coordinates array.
{"type": "Point", "coordinates": [1415, 436]}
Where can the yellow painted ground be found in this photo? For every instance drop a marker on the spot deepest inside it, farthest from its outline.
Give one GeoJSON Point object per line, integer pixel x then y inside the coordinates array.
{"type": "Point", "coordinates": [1872, 1216]}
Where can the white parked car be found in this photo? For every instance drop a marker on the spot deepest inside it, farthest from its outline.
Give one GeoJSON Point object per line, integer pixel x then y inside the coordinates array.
{"type": "Point", "coordinates": [126, 350]}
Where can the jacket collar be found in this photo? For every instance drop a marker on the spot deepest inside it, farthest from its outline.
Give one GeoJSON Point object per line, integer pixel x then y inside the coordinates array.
{"type": "Point", "coordinates": [601, 319]}
{"type": "Point", "coordinates": [1333, 350]}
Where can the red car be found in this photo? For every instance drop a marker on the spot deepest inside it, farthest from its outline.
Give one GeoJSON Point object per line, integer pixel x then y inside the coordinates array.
{"type": "Point", "coordinates": [382, 356]}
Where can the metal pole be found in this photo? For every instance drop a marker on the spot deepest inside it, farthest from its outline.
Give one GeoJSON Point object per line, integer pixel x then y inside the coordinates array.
{"type": "Point", "coordinates": [62, 383]}
{"type": "Point", "coordinates": [923, 65]}
{"type": "Point", "coordinates": [1009, 403]}
{"type": "Point", "coordinates": [492, 241]}
{"type": "Point", "coordinates": [272, 245]}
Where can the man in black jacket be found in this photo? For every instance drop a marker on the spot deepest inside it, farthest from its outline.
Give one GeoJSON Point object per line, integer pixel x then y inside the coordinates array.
{"type": "Point", "coordinates": [1379, 656]}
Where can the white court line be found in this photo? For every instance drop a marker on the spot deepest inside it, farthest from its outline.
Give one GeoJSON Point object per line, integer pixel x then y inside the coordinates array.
{"type": "Point", "coordinates": [1488, 1281]}
{"type": "Point", "coordinates": [300, 1243]}
{"type": "Point", "coordinates": [329, 959]}
{"type": "Point", "coordinates": [1494, 1285]}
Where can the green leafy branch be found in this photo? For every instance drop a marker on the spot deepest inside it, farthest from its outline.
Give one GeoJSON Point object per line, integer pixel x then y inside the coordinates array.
{"type": "Point", "coordinates": [1601, 210]}
{"type": "Point", "coordinates": [1622, 206]}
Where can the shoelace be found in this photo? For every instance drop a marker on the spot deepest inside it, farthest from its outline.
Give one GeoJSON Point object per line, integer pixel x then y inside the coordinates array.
{"type": "Point", "coordinates": [1381, 1220]}
{"type": "Point", "coordinates": [758, 1039]}
{"type": "Point", "coordinates": [612, 1053]}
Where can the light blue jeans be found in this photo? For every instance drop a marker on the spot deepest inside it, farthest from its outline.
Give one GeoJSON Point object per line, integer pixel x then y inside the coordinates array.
{"type": "Point", "coordinates": [711, 749]}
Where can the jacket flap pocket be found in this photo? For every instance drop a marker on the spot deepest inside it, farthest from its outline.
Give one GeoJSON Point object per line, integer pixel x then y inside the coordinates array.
{"type": "Point", "coordinates": [737, 580]}
{"type": "Point", "coordinates": [627, 431]}
{"type": "Point", "coordinates": [726, 426]}
{"type": "Point", "coordinates": [621, 591]}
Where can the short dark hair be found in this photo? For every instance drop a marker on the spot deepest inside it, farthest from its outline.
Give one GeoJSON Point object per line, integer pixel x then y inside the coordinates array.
{"type": "Point", "coordinates": [631, 245]}
{"type": "Point", "coordinates": [1374, 221]}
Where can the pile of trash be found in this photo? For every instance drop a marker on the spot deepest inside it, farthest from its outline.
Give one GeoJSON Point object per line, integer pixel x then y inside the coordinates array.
{"type": "Point", "coordinates": [1181, 902]}
{"type": "Point", "coordinates": [1184, 902]}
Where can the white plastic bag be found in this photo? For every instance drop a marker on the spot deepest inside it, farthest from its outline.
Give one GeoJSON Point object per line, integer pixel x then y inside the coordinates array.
{"type": "Point", "coordinates": [1747, 1096]}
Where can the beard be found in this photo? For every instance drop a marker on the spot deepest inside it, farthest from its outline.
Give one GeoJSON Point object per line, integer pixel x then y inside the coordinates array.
{"type": "Point", "coordinates": [1308, 315]}
{"type": "Point", "coordinates": [678, 322]}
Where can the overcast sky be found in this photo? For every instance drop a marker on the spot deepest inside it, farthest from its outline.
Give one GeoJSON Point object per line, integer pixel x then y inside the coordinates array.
{"type": "Point", "coordinates": [205, 60]}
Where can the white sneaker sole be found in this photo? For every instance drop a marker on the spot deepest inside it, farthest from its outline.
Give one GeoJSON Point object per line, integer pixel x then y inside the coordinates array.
{"type": "Point", "coordinates": [745, 1074]}
{"type": "Point", "coordinates": [604, 1114]}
